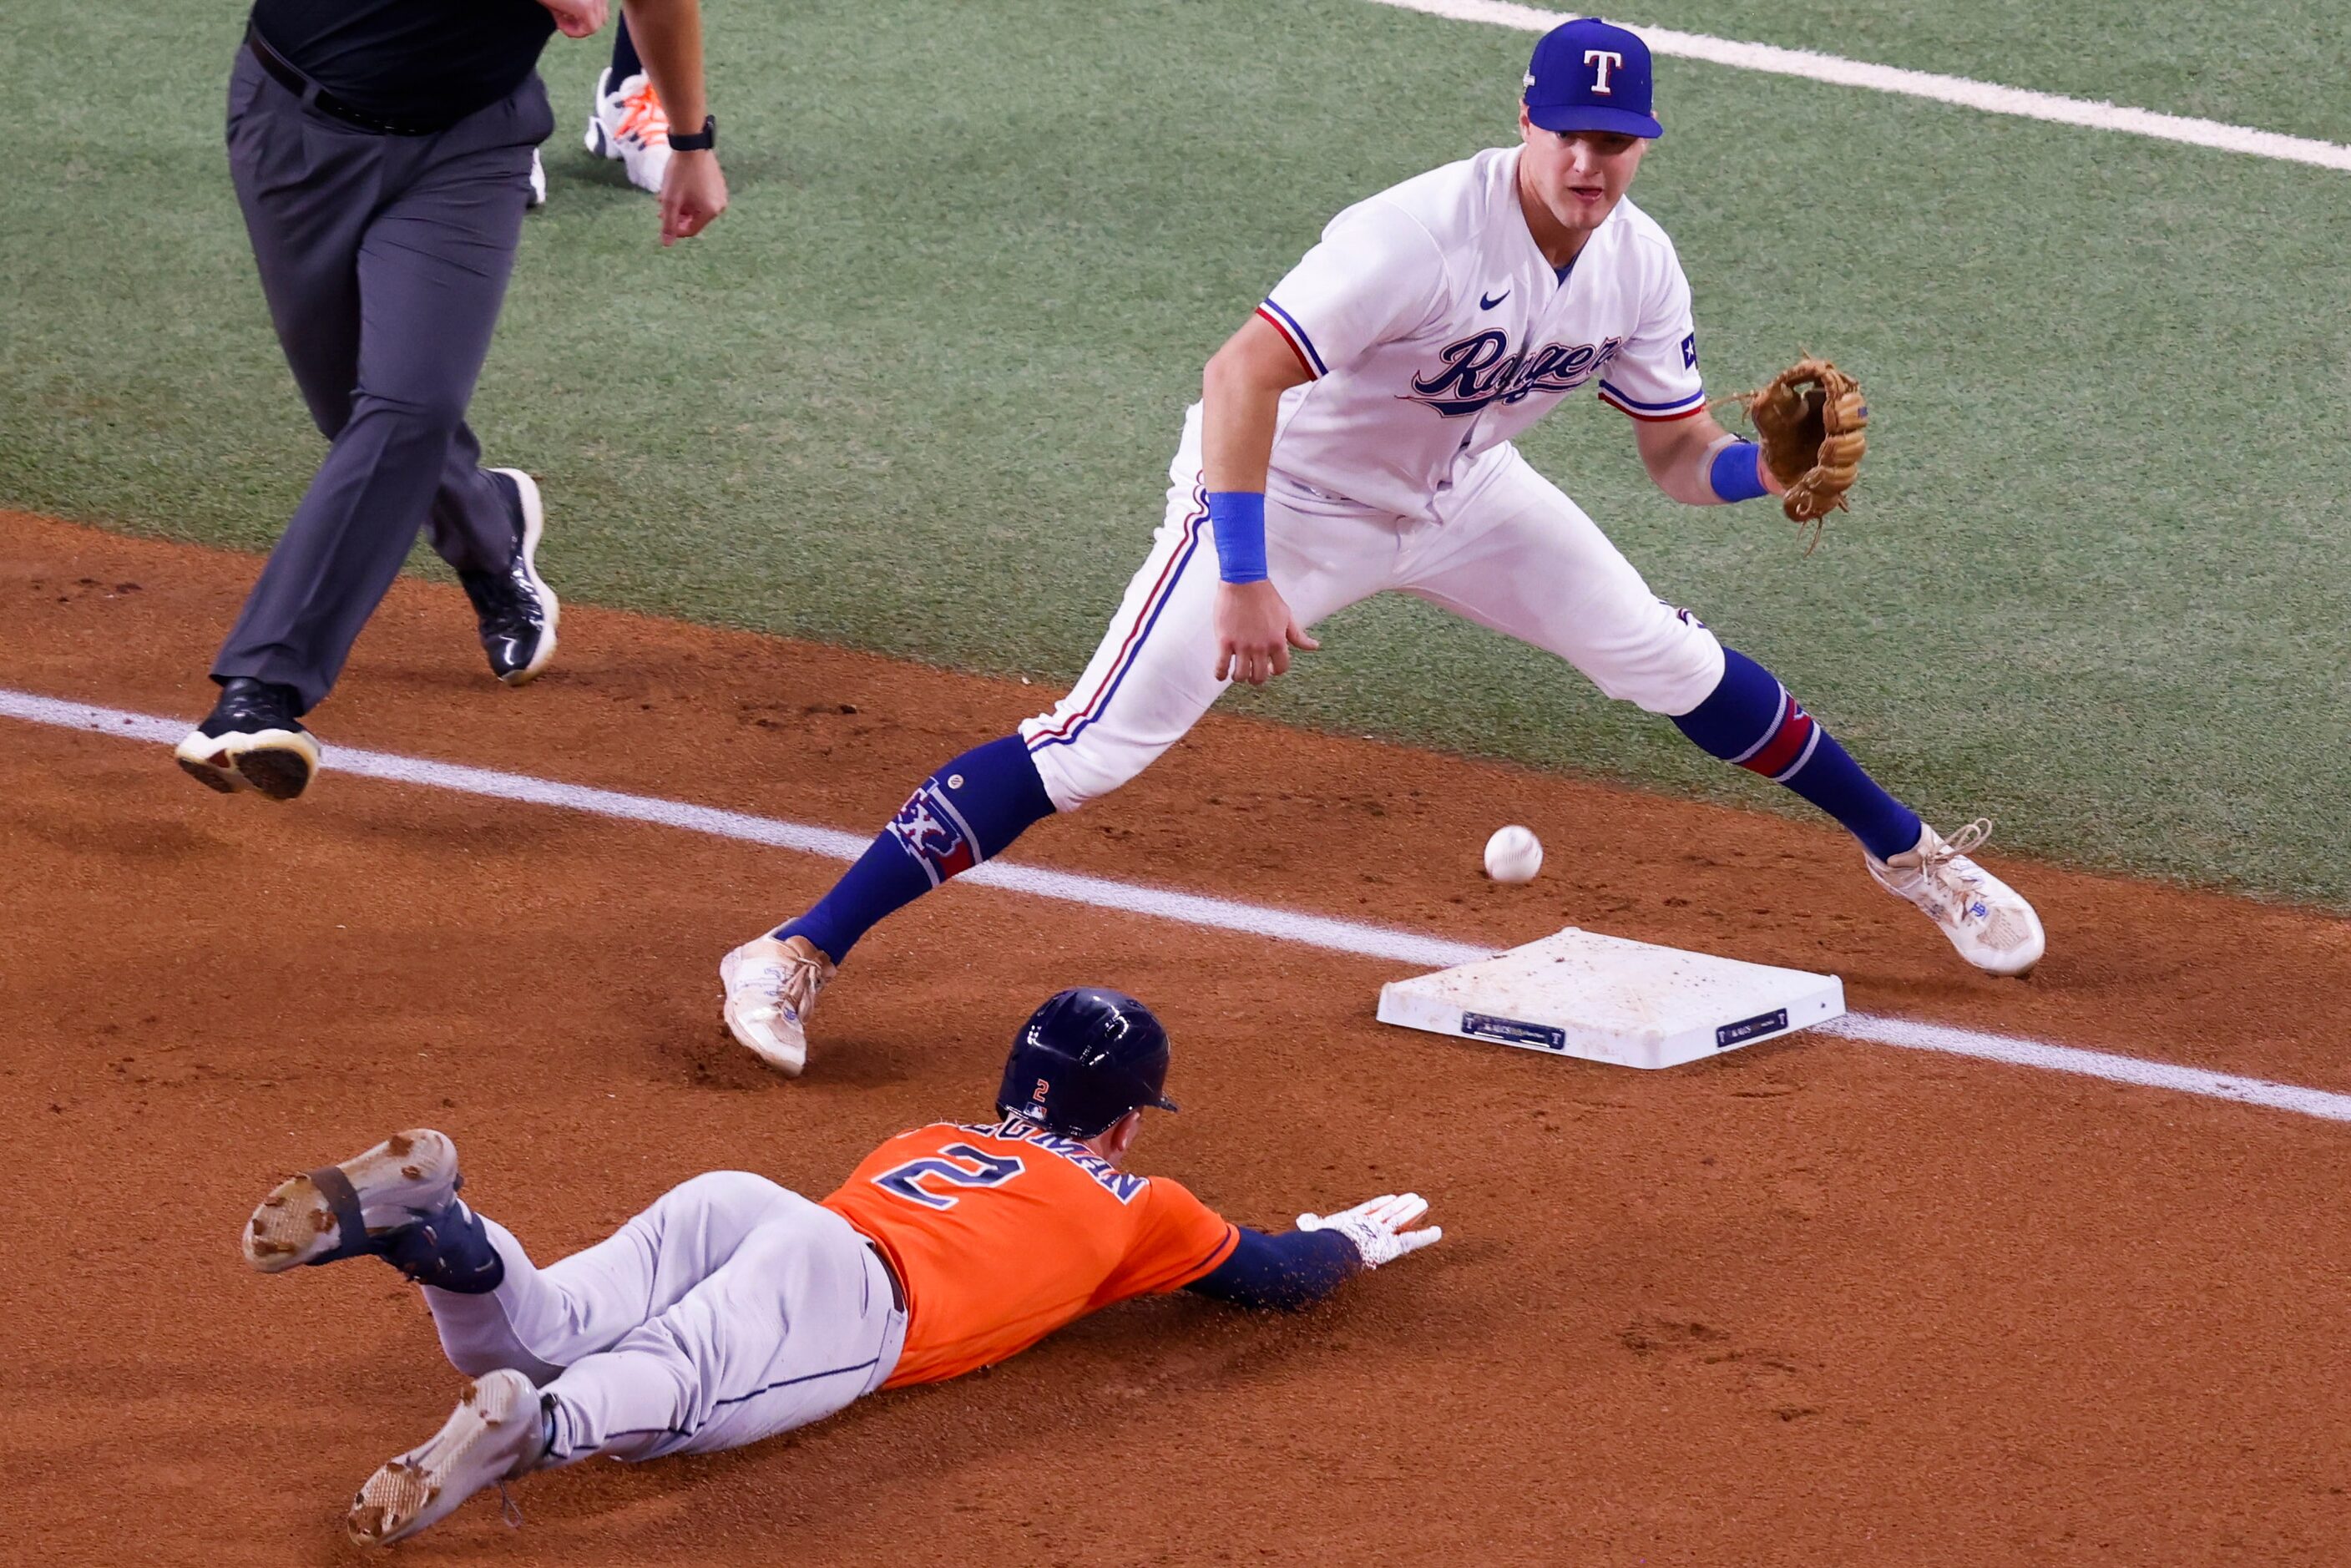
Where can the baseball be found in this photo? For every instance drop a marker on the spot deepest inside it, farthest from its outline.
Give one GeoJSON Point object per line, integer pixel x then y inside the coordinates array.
{"type": "Point", "coordinates": [1514, 854]}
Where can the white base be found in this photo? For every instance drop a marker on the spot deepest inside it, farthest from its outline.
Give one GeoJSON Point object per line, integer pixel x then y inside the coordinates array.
{"type": "Point", "coordinates": [1604, 999]}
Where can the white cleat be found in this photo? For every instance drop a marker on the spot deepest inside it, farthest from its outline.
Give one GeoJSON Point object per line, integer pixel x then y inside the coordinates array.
{"type": "Point", "coordinates": [538, 180]}
{"type": "Point", "coordinates": [1987, 920]}
{"type": "Point", "coordinates": [771, 990]}
{"type": "Point", "coordinates": [491, 1438]}
{"type": "Point", "coordinates": [398, 1182]}
{"type": "Point", "coordinates": [627, 121]}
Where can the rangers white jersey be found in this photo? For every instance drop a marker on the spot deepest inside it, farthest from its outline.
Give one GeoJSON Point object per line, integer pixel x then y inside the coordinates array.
{"type": "Point", "coordinates": [1435, 330]}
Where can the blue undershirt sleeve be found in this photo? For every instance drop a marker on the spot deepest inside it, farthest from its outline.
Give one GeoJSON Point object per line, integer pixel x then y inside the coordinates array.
{"type": "Point", "coordinates": [1294, 1269]}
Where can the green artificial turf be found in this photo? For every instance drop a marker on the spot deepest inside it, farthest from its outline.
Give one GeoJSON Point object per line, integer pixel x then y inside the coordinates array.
{"type": "Point", "coordinates": [2272, 66]}
{"type": "Point", "coordinates": [918, 390]}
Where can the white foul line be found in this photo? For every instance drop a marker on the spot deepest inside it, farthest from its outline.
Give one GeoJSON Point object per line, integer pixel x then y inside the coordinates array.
{"type": "Point", "coordinates": [1164, 904]}
{"type": "Point", "coordinates": [1989, 97]}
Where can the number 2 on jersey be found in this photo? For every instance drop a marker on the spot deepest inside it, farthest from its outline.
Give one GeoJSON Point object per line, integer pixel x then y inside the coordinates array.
{"type": "Point", "coordinates": [906, 1180]}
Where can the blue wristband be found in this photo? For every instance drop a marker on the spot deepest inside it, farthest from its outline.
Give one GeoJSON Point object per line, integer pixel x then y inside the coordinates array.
{"type": "Point", "coordinates": [1238, 519]}
{"type": "Point", "coordinates": [1736, 474]}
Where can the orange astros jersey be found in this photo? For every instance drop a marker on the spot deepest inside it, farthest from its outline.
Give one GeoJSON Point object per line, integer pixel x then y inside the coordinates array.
{"type": "Point", "coordinates": [1001, 1234]}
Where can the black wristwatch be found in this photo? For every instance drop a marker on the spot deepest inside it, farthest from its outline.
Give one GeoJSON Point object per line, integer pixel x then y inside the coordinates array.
{"type": "Point", "coordinates": [703, 140]}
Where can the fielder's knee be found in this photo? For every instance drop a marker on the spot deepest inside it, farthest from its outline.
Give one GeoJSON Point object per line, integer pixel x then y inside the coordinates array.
{"type": "Point", "coordinates": [1073, 775]}
{"type": "Point", "coordinates": [1671, 671]}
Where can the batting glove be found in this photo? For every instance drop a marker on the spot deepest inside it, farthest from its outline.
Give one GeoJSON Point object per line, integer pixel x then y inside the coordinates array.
{"type": "Point", "coordinates": [1381, 1227]}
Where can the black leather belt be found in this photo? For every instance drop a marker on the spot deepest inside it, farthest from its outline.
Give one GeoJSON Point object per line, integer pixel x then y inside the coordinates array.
{"type": "Point", "coordinates": [293, 81]}
{"type": "Point", "coordinates": [897, 1291]}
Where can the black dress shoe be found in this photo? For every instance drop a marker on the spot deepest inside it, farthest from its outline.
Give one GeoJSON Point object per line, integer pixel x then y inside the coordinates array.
{"type": "Point", "coordinates": [250, 740]}
{"type": "Point", "coordinates": [517, 609]}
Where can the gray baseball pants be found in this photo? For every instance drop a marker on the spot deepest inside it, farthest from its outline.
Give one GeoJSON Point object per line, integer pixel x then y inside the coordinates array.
{"type": "Point", "coordinates": [731, 1310]}
{"type": "Point", "coordinates": [384, 259]}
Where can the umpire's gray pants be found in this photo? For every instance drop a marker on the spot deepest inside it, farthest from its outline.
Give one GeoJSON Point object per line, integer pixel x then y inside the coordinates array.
{"type": "Point", "coordinates": [384, 259]}
{"type": "Point", "coordinates": [731, 1310]}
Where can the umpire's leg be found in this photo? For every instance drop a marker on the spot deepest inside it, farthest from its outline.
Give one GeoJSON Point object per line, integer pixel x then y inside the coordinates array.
{"type": "Point", "coordinates": [307, 189]}
{"type": "Point", "coordinates": [431, 269]}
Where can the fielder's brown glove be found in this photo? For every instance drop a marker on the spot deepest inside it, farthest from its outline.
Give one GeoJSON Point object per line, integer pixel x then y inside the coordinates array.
{"type": "Point", "coordinates": [1810, 420]}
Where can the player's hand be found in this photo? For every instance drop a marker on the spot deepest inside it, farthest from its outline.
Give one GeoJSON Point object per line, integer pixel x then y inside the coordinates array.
{"type": "Point", "coordinates": [1381, 1227]}
{"type": "Point", "coordinates": [576, 18]}
{"type": "Point", "coordinates": [1255, 632]}
{"type": "Point", "coordinates": [693, 192]}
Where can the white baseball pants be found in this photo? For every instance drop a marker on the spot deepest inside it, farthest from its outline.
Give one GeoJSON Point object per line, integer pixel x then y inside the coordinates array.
{"type": "Point", "coordinates": [728, 1312]}
{"type": "Point", "coordinates": [1502, 547]}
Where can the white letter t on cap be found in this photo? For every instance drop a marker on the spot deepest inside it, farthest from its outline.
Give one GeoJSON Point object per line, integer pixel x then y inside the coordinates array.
{"type": "Point", "coordinates": [1603, 59]}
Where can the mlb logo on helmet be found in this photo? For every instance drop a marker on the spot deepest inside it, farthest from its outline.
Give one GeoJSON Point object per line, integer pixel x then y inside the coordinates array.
{"type": "Point", "coordinates": [1588, 75]}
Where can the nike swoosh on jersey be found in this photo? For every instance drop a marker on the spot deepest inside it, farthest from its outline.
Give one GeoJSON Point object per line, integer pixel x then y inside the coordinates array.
{"type": "Point", "coordinates": [1486, 304]}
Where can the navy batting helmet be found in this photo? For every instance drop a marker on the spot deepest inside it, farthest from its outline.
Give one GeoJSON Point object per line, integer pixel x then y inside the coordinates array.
{"type": "Point", "coordinates": [1082, 1061]}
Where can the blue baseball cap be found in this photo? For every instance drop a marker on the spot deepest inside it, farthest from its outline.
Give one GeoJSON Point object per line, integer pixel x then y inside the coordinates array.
{"type": "Point", "coordinates": [1589, 76]}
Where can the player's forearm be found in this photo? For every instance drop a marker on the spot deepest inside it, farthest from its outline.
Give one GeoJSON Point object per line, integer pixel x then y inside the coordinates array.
{"type": "Point", "coordinates": [1696, 461]}
{"type": "Point", "coordinates": [1240, 407]}
{"type": "Point", "coordinates": [668, 35]}
{"type": "Point", "coordinates": [1678, 455]}
{"type": "Point", "coordinates": [1288, 1271]}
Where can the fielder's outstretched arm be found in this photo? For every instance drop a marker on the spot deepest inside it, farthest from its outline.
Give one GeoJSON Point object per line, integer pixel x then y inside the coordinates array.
{"type": "Point", "coordinates": [1700, 464]}
{"type": "Point", "coordinates": [1298, 1267]}
{"type": "Point", "coordinates": [1240, 402]}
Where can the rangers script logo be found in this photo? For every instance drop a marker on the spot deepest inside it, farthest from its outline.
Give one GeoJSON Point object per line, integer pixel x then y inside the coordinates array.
{"type": "Point", "coordinates": [1478, 369]}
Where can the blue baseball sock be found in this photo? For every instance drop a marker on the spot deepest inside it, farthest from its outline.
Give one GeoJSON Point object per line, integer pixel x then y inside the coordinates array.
{"type": "Point", "coordinates": [1750, 719]}
{"type": "Point", "coordinates": [968, 812]}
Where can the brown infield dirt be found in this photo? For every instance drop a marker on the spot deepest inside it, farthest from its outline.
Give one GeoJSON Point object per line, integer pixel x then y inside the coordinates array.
{"type": "Point", "coordinates": [1812, 1303]}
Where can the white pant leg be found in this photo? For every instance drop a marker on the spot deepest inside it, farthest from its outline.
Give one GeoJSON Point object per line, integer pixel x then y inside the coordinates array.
{"type": "Point", "coordinates": [1512, 552]}
{"type": "Point", "coordinates": [540, 1320]}
{"type": "Point", "coordinates": [797, 1323]}
{"type": "Point", "coordinates": [1153, 675]}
